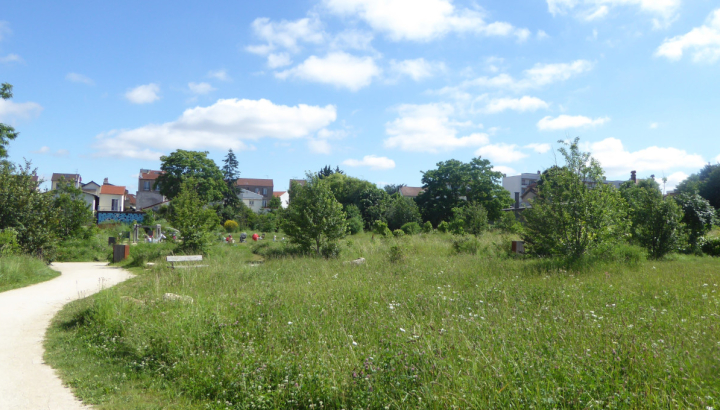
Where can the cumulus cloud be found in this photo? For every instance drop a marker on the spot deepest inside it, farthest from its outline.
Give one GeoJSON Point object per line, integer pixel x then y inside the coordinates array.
{"type": "Point", "coordinates": [42, 150]}
{"type": "Point", "coordinates": [501, 153]}
{"type": "Point", "coordinates": [539, 148]}
{"type": "Point", "coordinates": [143, 94]}
{"type": "Point", "coordinates": [285, 34]}
{"type": "Point", "coordinates": [339, 69]}
{"type": "Point", "coordinates": [664, 11]}
{"type": "Point", "coordinates": [616, 160]}
{"type": "Point", "coordinates": [674, 179]}
{"type": "Point", "coordinates": [505, 170]}
{"type": "Point", "coordinates": [11, 58]}
{"type": "Point", "coordinates": [564, 122]}
{"type": "Point", "coordinates": [421, 20]}
{"type": "Point", "coordinates": [597, 14]}
{"type": "Point", "coordinates": [276, 60]}
{"type": "Point", "coordinates": [230, 123]}
{"type": "Point", "coordinates": [703, 42]}
{"type": "Point", "coordinates": [374, 162]}
{"type": "Point", "coordinates": [417, 69]}
{"type": "Point", "coordinates": [523, 104]}
{"type": "Point", "coordinates": [79, 78]}
{"type": "Point", "coordinates": [319, 146]}
{"type": "Point", "coordinates": [221, 75]}
{"type": "Point", "coordinates": [428, 128]}
{"type": "Point", "coordinates": [13, 110]}
{"type": "Point", "coordinates": [200, 88]}
{"type": "Point", "coordinates": [538, 76]}
{"type": "Point", "coordinates": [46, 150]}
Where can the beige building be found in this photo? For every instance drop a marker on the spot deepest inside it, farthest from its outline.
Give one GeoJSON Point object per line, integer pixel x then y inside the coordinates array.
{"type": "Point", "coordinates": [112, 198]}
{"type": "Point", "coordinates": [73, 179]}
{"type": "Point", "coordinates": [262, 187]}
{"type": "Point", "coordinates": [252, 200]}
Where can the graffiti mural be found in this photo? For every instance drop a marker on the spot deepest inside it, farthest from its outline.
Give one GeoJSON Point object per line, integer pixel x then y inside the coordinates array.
{"type": "Point", "coordinates": [123, 217]}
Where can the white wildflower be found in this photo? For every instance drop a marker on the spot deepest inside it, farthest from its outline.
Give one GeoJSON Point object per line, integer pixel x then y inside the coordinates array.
{"type": "Point", "coordinates": [402, 330]}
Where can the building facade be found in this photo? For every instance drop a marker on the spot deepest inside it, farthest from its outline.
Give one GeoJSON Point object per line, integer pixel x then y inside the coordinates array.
{"type": "Point", "coordinates": [263, 187]}
{"type": "Point", "coordinates": [73, 179]}
{"type": "Point", "coordinates": [112, 198]}
{"type": "Point", "coordinates": [148, 194]}
{"type": "Point", "coordinates": [519, 183]}
{"type": "Point", "coordinates": [252, 200]}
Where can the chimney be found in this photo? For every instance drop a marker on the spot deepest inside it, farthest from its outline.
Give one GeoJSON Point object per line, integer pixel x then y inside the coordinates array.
{"type": "Point", "coordinates": [633, 176]}
{"type": "Point", "coordinates": [105, 181]}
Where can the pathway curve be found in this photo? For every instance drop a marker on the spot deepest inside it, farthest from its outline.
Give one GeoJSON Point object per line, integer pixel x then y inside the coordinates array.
{"type": "Point", "coordinates": [26, 382]}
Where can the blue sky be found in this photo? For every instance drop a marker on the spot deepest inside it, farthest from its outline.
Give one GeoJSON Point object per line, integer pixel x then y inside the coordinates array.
{"type": "Point", "coordinates": [383, 88]}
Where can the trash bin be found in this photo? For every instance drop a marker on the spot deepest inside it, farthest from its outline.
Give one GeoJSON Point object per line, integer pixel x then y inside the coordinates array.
{"type": "Point", "coordinates": [120, 253]}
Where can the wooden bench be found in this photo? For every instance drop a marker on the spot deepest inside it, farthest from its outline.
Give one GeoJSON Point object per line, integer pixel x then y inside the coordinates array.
{"type": "Point", "coordinates": [185, 258]}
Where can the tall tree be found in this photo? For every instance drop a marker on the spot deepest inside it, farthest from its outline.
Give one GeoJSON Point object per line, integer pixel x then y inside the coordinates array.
{"type": "Point", "coordinates": [7, 133]}
{"type": "Point", "coordinates": [230, 175]}
{"type": "Point", "coordinates": [190, 214]}
{"type": "Point", "coordinates": [326, 171]}
{"type": "Point", "coordinates": [181, 165]}
{"type": "Point", "coordinates": [706, 183]}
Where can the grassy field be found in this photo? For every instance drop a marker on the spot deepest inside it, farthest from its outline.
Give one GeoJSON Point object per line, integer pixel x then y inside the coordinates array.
{"type": "Point", "coordinates": [20, 271]}
{"type": "Point", "coordinates": [435, 329]}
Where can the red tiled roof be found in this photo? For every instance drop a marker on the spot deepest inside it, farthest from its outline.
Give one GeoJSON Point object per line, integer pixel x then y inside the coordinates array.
{"type": "Point", "coordinates": [278, 193]}
{"type": "Point", "coordinates": [112, 190]}
{"type": "Point", "coordinates": [151, 174]}
{"type": "Point", "coordinates": [131, 199]}
{"type": "Point", "coordinates": [410, 191]}
{"type": "Point", "coordinates": [254, 182]}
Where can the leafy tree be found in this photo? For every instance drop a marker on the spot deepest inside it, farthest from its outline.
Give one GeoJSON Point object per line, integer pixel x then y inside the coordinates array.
{"type": "Point", "coordinates": [275, 203]}
{"type": "Point", "coordinates": [393, 188]}
{"type": "Point", "coordinates": [574, 211]}
{"type": "Point", "coordinates": [400, 210]}
{"type": "Point", "coordinates": [710, 186]}
{"type": "Point", "coordinates": [454, 182]}
{"type": "Point", "coordinates": [230, 176]}
{"type": "Point", "coordinates": [326, 171]}
{"type": "Point", "coordinates": [181, 165]}
{"type": "Point", "coordinates": [373, 203]}
{"type": "Point", "coordinates": [191, 215]}
{"type": "Point", "coordinates": [698, 218]}
{"type": "Point", "coordinates": [72, 212]}
{"type": "Point", "coordinates": [472, 218]}
{"type": "Point", "coordinates": [7, 133]}
{"type": "Point", "coordinates": [315, 219]}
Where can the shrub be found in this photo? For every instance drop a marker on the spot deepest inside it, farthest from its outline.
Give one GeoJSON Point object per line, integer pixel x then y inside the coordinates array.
{"type": "Point", "coordinates": [457, 226]}
{"type": "Point", "coordinates": [231, 226]}
{"type": "Point", "coordinates": [191, 216]}
{"type": "Point", "coordinates": [399, 233]}
{"type": "Point", "coordinates": [508, 223]}
{"type": "Point", "coordinates": [427, 227]}
{"type": "Point", "coordinates": [355, 225]}
{"type": "Point", "coordinates": [411, 228]}
{"type": "Point", "coordinates": [8, 242]}
{"type": "Point", "coordinates": [381, 228]}
{"type": "Point", "coordinates": [471, 217]}
{"type": "Point", "coordinates": [712, 247]}
{"type": "Point", "coordinates": [443, 227]}
{"type": "Point", "coordinates": [466, 244]}
{"type": "Point", "coordinates": [396, 254]}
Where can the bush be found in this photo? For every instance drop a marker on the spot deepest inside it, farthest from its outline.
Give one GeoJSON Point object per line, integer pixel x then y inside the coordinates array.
{"type": "Point", "coordinates": [466, 244]}
{"type": "Point", "coordinates": [443, 227]}
{"type": "Point", "coordinates": [457, 226]}
{"type": "Point", "coordinates": [411, 228]}
{"type": "Point", "coordinates": [355, 225]}
{"type": "Point", "coordinates": [398, 233]}
{"type": "Point", "coordinates": [396, 254]}
{"type": "Point", "coordinates": [381, 228]}
{"type": "Point", "coordinates": [427, 227]}
{"type": "Point", "coordinates": [508, 223]}
{"type": "Point", "coordinates": [8, 242]}
{"type": "Point", "coordinates": [712, 247]}
{"type": "Point", "coordinates": [231, 226]}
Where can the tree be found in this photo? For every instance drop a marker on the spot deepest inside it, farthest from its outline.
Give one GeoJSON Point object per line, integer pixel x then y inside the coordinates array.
{"type": "Point", "coordinates": [326, 171]}
{"type": "Point", "coordinates": [698, 218]}
{"type": "Point", "coordinates": [315, 219]}
{"type": "Point", "coordinates": [706, 183]}
{"type": "Point", "coordinates": [574, 211]}
{"type": "Point", "coordinates": [393, 188]}
{"type": "Point", "coordinates": [472, 217]}
{"type": "Point", "coordinates": [72, 212]}
{"type": "Point", "coordinates": [181, 165]}
{"type": "Point", "coordinates": [230, 176]}
{"type": "Point", "coordinates": [275, 203]}
{"type": "Point", "coordinates": [454, 182]}
{"type": "Point", "coordinates": [401, 210]}
{"type": "Point", "coordinates": [7, 133]}
{"type": "Point", "coordinates": [190, 215]}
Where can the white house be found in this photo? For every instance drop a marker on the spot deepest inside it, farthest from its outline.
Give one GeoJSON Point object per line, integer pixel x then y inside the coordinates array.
{"type": "Point", "coordinates": [284, 198]}
{"type": "Point", "coordinates": [519, 183]}
{"type": "Point", "coordinates": [251, 200]}
{"type": "Point", "coordinates": [112, 198]}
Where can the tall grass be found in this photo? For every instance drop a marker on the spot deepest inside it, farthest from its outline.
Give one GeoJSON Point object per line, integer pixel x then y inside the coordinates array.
{"type": "Point", "coordinates": [437, 330]}
{"type": "Point", "coordinates": [20, 271]}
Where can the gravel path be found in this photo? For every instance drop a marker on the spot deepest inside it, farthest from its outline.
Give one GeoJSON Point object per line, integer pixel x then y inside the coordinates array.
{"type": "Point", "coordinates": [26, 382]}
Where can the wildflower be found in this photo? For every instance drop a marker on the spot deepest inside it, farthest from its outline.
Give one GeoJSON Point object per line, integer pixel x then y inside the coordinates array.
{"type": "Point", "coordinates": [289, 323]}
{"type": "Point", "coordinates": [402, 330]}
{"type": "Point", "coordinates": [354, 343]}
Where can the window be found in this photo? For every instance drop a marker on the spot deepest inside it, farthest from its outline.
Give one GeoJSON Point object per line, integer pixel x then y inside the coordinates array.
{"type": "Point", "coordinates": [146, 185]}
{"type": "Point", "coordinates": [115, 205]}
{"type": "Point", "coordinates": [264, 203]}
{"type": "Point", "coordinates": [252, 203]}
{"type": "Point", "coordinates": [157, 187]}
{"type": "Point", "coordinates": [257, 190]}
{"type": "Point", "coordinates": [264, 191]}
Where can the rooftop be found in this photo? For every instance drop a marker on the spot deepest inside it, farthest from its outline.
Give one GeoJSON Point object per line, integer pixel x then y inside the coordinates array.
{"type": "Point", "coordinates": [112, 190]}
{"type": "Point", "coordinates": [410, 191]}
{"type": "Point", "coordinates": [149, 174]}
{"type": "Point", "coordinates": [279, 193]}
{"type": "Point", "coordinates": [254, 182]}
{"type": "Point", "coordinates": [67, 177]}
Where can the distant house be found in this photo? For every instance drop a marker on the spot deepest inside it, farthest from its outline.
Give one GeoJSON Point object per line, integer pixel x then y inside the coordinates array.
{"type": "Point", "coordinates": [91, 187]}
{"type": "Point", "coordinates": [410, 191]}
{"type": "Point", "coordinates": [284, 198]}
{"type": "Point", "coordinates": [148, 193]}
{"type": "Point", "coordinates": [519, 183]}
{"type": "Point", "coordinates": [130, 202]}
{"type": "Point", "coordinates": [73, 179]}
{"type": "Point", "coordinates": [112, 198]}
{"type": "Point", "coordinates": [262, 187]}
{"type": "Point", "coordinates": [252, 200]}
{"type": "Point", "coordinates": [302, 182]}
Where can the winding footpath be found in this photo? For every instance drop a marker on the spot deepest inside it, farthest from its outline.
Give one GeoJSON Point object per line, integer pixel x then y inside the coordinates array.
{"type": "Point", "coordinates": [26, 382]}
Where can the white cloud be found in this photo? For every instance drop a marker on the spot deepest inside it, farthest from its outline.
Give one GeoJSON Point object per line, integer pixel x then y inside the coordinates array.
{"type": "Point", "coordinates": [226, 124]}
{"type": "Point", "coordinates": [339, 69]}
{"type": "Point", "coordinates": [505, 169]}
{"type": "Point", "coordinates": [12, 110]}
{"type": "Point", "coordinates": [4, 29]}
{"type": "Point", "coordinates": [674, 179]}
{"type": "Point", "coordinates": [200, 88]}
{"type": "Point", "coordinates": [654, 126]}
{"type": "Point", "coordinates": [374, 162]}
{"type": "Point", "coordinates": [523, 104]}
{"type": "Point", "coordinates": [42, 150]}
{"type": "Point", "coordinates": [598, 14]}
{"type": "Point", "coordinates": [46, 150]}
{"type": "Point", "coordinates": [538, 76]}
{"type": "Point", "coordinates": [717, 159]}
{"type": "Point", "coordinates": [539, 148]}
{"type": "Point", "coordinates": [352, 39]}
{"type": "Point", "coordinates": [221, 75]}
{"type": "Point", "coordinates": [703, 42]}
{"type": "Point", "coordinates": [11, 58]}
{"type": "Point", "coordinates": [276, 60]}
{"type": "Point", "coordinates": [542, 35]}
{"type": "Point", "coordinates": [616, 160]}
{"type": "Point", "coordinates": [663, 10]}
{"type": "Point", "coordinates": [285, 34]}
{"type": "Point", "coordinates": [79, 78]}
{"type": "Point", "coordinates": [501, 153]}
{"type": "Point", "coordinates": [319, 146]}
{"type": "Point", "coordinates": [417, 69]}
{"type": "Point", "coordinates": [421, 20]}
{"type": "Point", "coordinates": [564, 122]}
{"type": "Point", "coordinates": [428, 128]}
{"type": "Point", "coordinates": [143, 94]}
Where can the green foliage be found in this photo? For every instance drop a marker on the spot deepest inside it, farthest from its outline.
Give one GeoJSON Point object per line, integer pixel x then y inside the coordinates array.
{"type": "Point", "coordinates": [275, 203]}
{"type": "Point", "coordinates": [472, 217]}
{"type": "Point", "coordinates": [72, 212]}
{"type": "Point", "coordinates": [327, 171]}
{"type": "Point", "coordinates": [443, 227]}
{"type": "Point", "coordinates": [469, 244]}
{"type": "Point", "coordinates": [7, 133]}
{"type": "Point", "coordinates": [457, 225]}
{"type": "Point", "coordinates": [150, 218]}
{"type": "Point", "coordinates": [508, 223]}
{"type": "Point", "coordinates": [314, 219]}
{"type": "Point", "coordinates": [655, 222]}
{"type": "Point", "coordinates": [397, 253]}
{"type": "Point", "coordinates": [427, 227]}
{"type": "Point", "coordinates": [17, 271]}
{"type": "Point", "coordinates": [231, 226]}
{"type": "Point", "coordinates": [355, 225]}
{"type": "Point", "coordinates": [8, 242]}
{"type": "Point", "coordinates": [393, 188]}
{"type": "Point", "coordinates": [267, 222]}
{"type": "Point", "coordinates": [191, 216]}
{"type": "Point", "coordinates": [412, 228]}
{"type": "Point", "coordinates": [400, 210]}
{"type": "Point", "coordinates": [574, 211]}
{"type": "Point", "coordinates": [398, 233]}
{"type": "Point", "coordinates": [181, 165]}
{"type": "Point", "coordinates": [230, 175]}
{"type": "Point", "coordinates": [454, 182]}
{"type": "Point", "coordinates": [712, 247]}
{"type": "Point", "coordinates": [698, 218]}
{"type": "Point", "coordinates": [381, 228]}
{"type": "Point", "coordinates": [706, 183]}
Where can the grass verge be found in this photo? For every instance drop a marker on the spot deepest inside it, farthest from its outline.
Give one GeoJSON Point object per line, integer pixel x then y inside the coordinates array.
{"type": "Point", "coordinates": [20, 271]}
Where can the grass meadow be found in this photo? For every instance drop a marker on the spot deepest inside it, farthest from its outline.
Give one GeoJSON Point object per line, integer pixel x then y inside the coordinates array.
{"type": "Point", "coordinates": [433, 329]}
{"type": "Point", "coordinates": [20, 271]}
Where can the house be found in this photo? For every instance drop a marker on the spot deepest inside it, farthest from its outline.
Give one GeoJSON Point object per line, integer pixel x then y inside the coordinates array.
{"type": "Point", "coordinates": [410, 191]}
{"type": "Point", "coordinates": [148, 193]}
{"type": "Point", "coordinates": [91, 187]}
{"type": "Point", "coordinates": [284, 198]}
{"type": "Point", "coordinates": [252, 200]}
{"type": "Point", "coordinates": [112, 198]}
{"type": "Point", "coordinates": [519, 183]}
{"type": "Point", "coordinates": [262, 187]}
{"type": "Point", "coordinates": [130, 202]}
{"type": "Point", "coordinates": [73, 179]}
{"type": "Point", "coordinates": [302, 182]}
